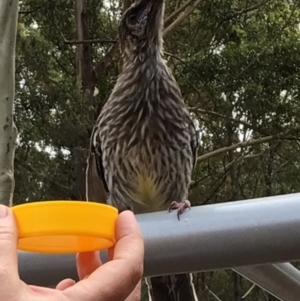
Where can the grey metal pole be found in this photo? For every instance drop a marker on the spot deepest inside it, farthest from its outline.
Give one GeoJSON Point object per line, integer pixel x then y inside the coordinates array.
{"type": "Point", "coordinates": [281, 280]}
{"type": "Point", "coordinates": [211, 237]}
{"type": "Point", "coordinates": [222, 236]}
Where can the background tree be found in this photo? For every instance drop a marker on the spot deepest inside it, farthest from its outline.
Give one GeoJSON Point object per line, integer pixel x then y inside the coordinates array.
{"type": "Point", "coordinates": [8, 29]}
{"type": "Point", "coordinates": [237, 63]}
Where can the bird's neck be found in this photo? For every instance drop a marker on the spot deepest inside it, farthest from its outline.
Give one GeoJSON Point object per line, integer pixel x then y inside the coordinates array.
{"type": "Point", "coordinates": [144, 65]}
{"type": "Point", "coordinates": [145, 62]}
{"type": "Point", "coordinates": [145, 51]}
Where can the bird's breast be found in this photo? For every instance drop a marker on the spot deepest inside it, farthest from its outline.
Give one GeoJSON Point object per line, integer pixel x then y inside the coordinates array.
{"type": "Point", "coordinates": [146, 154]}
{"type": "Point", "coordinates": [147, 177]}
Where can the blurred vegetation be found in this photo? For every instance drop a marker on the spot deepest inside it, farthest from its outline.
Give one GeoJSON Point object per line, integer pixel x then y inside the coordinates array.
{"type": "Point", "coordinates": [238, 65]}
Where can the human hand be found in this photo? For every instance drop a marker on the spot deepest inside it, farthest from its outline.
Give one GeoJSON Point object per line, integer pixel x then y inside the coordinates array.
{"type": "Point", "coordinates": [115, 280]}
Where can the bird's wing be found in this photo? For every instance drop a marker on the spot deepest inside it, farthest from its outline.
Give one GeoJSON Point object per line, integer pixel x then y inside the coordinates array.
{"type": "Point", "coordinates": [194, 142]}
{"type": "Point", "coordinates": [96, 186]}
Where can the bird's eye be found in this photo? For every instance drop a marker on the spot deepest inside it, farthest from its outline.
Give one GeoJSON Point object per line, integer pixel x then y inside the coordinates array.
{"type": "Point", "coordinates": [132, 19]}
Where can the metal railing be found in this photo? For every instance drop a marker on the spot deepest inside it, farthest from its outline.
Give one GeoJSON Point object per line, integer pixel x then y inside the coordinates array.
{"type": "Point", "coordinates": [248, 236]}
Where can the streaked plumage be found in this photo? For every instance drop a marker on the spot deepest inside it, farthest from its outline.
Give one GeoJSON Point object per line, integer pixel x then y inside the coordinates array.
{"type": "Point", "coordinates": [144, 143]}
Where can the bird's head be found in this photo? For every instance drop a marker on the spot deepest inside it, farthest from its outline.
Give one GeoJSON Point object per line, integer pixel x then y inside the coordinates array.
{"type": "Point", "coordinates": [140, 30]}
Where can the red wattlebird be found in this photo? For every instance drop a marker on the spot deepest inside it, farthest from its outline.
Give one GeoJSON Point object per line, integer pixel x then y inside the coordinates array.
{"type": "Point", "coordinates": [144, 143]}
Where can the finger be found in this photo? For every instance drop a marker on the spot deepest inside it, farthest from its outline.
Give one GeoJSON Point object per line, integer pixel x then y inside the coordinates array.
{"type": "Point", "coordinates": [129, 238]}
{"type": "Point", "coordinates": [87, 263]}
{"type": "Point", "coordinates": [136, 294]}
{"type": "Point", "coordinates": [64, 284]}
{"type": "Point", "coordinates": [116, 279]}
{"type": "Point", "coordinates": [8, 248]}
{"type": "Point", "coordinates": [111, 253]}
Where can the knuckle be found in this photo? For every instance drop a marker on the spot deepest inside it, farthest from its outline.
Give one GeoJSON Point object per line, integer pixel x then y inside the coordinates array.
{"type": "Point", "coordinates": [6, 235]}
{"type": "Point", "coordinates": [136, 273]}
{"type": "Point", "coordinates": [4, 270]}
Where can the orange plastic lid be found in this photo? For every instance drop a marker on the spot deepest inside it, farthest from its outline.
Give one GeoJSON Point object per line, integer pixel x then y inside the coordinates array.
{"type": "Point", "coordinates": [65, 226]}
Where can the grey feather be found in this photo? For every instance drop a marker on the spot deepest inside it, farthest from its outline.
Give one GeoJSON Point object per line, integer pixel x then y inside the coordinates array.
{"type": "Point", "coordinates": [96, 187]}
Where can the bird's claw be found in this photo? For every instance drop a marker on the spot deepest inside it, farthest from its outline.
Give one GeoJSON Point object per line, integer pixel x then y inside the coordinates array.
{"type": "Point", "coordinates": [180, 206]}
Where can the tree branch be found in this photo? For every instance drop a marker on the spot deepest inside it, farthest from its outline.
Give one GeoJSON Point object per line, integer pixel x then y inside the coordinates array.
{"type": "Point", "coordinates": [8, 131]}
{"type": "Point", "coordinates": [213, 113]}
{"type": "Point", "coordinates": [96, 41]}
{"type": "Point", "coordinates": [167, 21]}
{"type": "Point", "coordinates": [182, 17]}
{"type": "Point", "coordinates": [249, 291]}
{"type": "Point", "coordinates": [106, 61]}
{"type": "Point", "coordinates": [126, 4]}
{"type": "Point", "coordinates": [176, 12]}
{"type": "Point", "coordinates": [212, 293]}
{"type": "Point", "coordinates": [27, 12]}
{"type": "Point", "coordinates": [238, 160]}
{"type": "Point", "coordinates": [242, 144]}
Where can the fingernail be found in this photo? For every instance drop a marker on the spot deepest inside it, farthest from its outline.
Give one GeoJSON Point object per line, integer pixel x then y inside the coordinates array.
{"type": "Point", "coordinates": [3, 211]}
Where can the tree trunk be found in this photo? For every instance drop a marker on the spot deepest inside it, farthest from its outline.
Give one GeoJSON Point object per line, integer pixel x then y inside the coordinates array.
{"type": "Point", "coordinates": [8, 131]}
{"type": "Point", "coordinates": [86, 80]}
{"type": "Point", "coordinates": [235, 195]}
{"type": "Point", "coordinates": [272, 298]}
{"type": "Point", "coordinates": [172, 288]}
{"type": "Point", "coordinates": [268, 172]}
{"type": "Point", "coordinates": [268, 177]}
{"type": "Point", "coordinates": [237, 287]}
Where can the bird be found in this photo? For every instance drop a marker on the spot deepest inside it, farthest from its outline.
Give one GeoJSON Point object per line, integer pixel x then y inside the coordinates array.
{"type": "Point", "coordinates": [143, 146]}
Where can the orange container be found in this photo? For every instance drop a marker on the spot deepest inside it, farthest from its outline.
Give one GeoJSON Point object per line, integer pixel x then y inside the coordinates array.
{"type": "Point", "coordinates": [65, 226]}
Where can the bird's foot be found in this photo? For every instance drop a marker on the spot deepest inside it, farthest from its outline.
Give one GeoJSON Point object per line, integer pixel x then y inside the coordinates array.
{"type": "Point", "coordinates": [180, 206]}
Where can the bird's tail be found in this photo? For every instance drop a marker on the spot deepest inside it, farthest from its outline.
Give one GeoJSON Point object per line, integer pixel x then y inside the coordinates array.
{"type": "Point", "coordinates": [95, 189]}
{"type": "Point", "coordinates": [172, 288]}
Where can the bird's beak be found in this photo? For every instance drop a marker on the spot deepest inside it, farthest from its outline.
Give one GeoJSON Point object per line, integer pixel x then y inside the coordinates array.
{"type": "Point", "coordinates": [156, 4]}
{"type": "Point", "coordinates": [155, 7]}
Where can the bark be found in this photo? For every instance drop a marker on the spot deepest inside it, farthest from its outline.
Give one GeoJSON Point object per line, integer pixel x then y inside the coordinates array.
{"type": "Point", "coordinates": [272, 298]}
{"type": "Point", "coordinates": [237, 279]}
{"type": "Point", "coordinates": [176, 12]}
{"type": "Point", "coordinates": [85, 73]}
{"type": "Point", "coordinates": [181, 18]}
{"type": "Point", "coordinates": [8, 131]}
{"type": "Point", "coordinates": [237, 287]}
{"type": "Point", "coordinates": [268, 172]}
{"type": "Point", "coordinates": [268, 178]}
{"type": "Point", "coordinates": [126, 4]}
{"type": "Point", "coordinates": [86, 79]}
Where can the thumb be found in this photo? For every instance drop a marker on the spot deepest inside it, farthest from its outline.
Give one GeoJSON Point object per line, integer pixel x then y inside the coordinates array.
{"type": "Point", "coordinates": [8, 248]}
